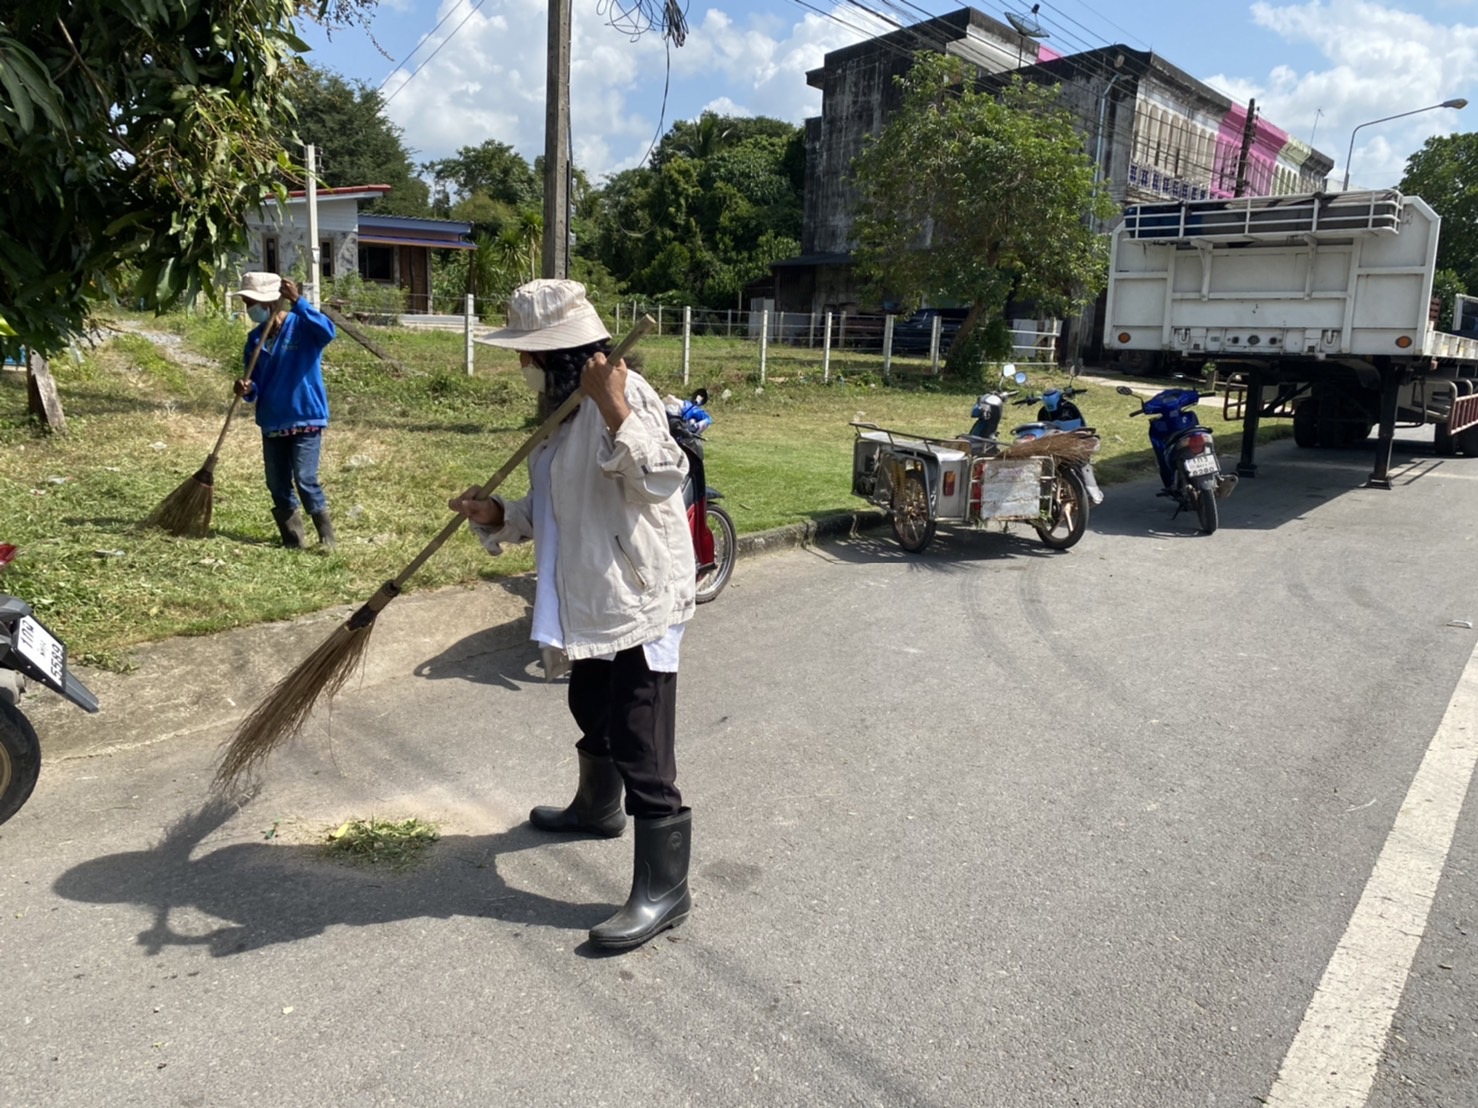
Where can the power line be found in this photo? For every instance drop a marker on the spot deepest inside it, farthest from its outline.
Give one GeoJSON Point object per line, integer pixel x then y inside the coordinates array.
{"type": "Point", "coordinates": [433, 53]}
{"type": "Point", "coordinates": [424, 40]}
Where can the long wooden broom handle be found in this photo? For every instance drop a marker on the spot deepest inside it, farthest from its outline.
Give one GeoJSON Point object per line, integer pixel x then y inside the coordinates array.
{"type": "Point", "coordinates": [547, 428]}
{"type": "Point", "coordinates": [235, 399]}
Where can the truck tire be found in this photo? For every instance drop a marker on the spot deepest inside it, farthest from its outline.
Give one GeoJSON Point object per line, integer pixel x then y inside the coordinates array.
{"type": "Point", "coordinates": [1306, 424]}
{"type": "Point", "coordinates": [1467, 442]}
{"type": "Point", "coordinates": [1442, 442]}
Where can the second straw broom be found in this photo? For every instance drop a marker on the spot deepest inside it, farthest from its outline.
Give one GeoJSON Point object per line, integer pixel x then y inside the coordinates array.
{"type": "Point", "coordinates": [186, 512]}
{"type": "Point", "coordinates": [322, 674]}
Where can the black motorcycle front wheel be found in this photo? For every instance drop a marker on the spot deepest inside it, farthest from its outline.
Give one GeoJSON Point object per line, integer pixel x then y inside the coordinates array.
{"type": "Point", "coordinates": [1068, 519]}
{"type": "Point", "coordinates": [20, 760]}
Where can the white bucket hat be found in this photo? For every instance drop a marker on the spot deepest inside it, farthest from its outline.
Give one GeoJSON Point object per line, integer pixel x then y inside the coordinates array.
{"type": "Point", "coordinates": [265, 288]}
{"type": "Point", "coordinates": [549, 314]}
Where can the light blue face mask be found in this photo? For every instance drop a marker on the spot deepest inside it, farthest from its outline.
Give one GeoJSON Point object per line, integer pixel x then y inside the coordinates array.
{"type": "Point", "coordinates": [258, 313]}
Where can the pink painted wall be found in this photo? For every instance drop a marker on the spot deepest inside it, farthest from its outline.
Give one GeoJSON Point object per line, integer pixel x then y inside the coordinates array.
{"type": "Point", "coordinates": [1267, 143]}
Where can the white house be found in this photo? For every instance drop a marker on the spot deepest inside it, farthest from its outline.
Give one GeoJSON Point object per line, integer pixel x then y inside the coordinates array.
{"type": "Point", "coordinates": [384, 249]}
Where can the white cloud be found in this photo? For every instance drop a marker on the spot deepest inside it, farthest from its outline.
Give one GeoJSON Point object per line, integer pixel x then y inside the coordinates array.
{"type": "Point", "coordinates": [488, 80]}
{"type": "Point", "coordinates": [1377, 61]}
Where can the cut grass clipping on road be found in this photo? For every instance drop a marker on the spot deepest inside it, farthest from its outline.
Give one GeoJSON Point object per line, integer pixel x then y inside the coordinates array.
{"type": "Point", "coordinates": [398, 844]}
{"type": "Point", "coordinates": [145, 405]}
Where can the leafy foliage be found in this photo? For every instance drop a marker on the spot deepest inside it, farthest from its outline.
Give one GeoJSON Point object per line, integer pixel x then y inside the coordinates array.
{"type": "Point", "coordinates": [719, 202]}
{"type": "Point", "coordinates": [1446, 286]}
{"type": "Point", "coordinates": [492, 172]}
{"type": "Point", "coordinates": [356, 144]}
{"type": "Point", "coordinates": [978, 199]}
{"type": "Point", "coordinates": [135, 132]}
{"type": "Point", "coordinates": [1444, 173]}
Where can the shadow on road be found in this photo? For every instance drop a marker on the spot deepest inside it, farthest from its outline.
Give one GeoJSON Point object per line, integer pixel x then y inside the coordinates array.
{"type": "Point", "coordinates": [279, 893]}
{"type": "Point", "coordinates": [1290, 483]}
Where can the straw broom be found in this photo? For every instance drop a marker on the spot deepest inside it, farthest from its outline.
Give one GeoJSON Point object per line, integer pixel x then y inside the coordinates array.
{"type": "Point", "coordinates": [323, 673]}
{"type": "Point", "coordinates": [186, 511]}
{"type": "Point", "coordinates": [1072, 448]}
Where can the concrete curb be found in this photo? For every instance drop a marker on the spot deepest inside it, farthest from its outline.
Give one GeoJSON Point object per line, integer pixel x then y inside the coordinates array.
{"type": "Point", "coordinates": [183, 687]}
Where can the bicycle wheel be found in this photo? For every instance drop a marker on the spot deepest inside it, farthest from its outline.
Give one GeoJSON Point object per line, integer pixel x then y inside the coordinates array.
{"type": "Point", "coordinates": [712, 579]}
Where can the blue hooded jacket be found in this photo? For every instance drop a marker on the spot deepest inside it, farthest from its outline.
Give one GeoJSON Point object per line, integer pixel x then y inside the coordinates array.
{"type": "Point", "coordinates": [287, 384]}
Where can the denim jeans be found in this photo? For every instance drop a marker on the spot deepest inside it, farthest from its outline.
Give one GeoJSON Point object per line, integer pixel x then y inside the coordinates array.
{"type": "Point", "coordinates": [293, 460]}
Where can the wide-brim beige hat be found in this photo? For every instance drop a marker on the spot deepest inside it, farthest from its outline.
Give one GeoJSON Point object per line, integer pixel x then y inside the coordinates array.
{"type": "Point", "coordinates": [263, 287]}
{"type": "Point", "coordinates": [549, 314]}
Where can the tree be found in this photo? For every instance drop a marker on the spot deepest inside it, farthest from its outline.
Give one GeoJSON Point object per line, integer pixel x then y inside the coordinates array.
{"type": "Point", "coordinates": [719, 202]}
{"type": "Point", "coordinates": [1444, 173]}
{"type": "Point", "coordinates": [135, 134]}
{"type": "Point", "coordinates": [493, 170]}
{"type": "Point", "coordinates": [355, 142]}
{"type": "Point", "coordinates": [978, 199]}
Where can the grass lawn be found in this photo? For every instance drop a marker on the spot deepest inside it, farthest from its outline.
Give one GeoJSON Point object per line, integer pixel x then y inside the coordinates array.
{"type": "Point", "coordinates": [144, 412]}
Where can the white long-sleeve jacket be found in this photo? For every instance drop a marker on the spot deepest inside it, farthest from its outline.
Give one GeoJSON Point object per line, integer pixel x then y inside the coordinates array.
{"type": "Point", "coordinates": [625, 571]}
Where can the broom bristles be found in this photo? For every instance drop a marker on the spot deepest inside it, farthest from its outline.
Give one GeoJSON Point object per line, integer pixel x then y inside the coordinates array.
{"type": "Point", "coordinates": [286, 709]}
{"type": "Point", "coordinates": [186, 511]}
{"type": "Point", "coordinates": [1070, 448]}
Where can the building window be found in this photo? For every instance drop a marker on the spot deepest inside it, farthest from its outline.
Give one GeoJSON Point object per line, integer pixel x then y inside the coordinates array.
{"type": "Point", "coordinates": [326, 259]}
{"type": "Point", "coordinates": [269, 253]}
{"type": "Point", "coordinates": [376, 263]}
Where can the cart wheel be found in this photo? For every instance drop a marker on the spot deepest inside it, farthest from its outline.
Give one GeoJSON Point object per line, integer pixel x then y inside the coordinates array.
{"type": "Point", "coordinates": [1069, 518]}
{"type": "Point", "coordinates": [911, 522]}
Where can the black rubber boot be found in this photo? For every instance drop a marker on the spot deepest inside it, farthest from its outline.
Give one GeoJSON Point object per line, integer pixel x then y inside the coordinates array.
{"type": "Point", "coordinates": [325, 527]}
{"type": "Point", "coordinates": [290, 527]}
{"type": "Point", "coordinates": [659, 884]}
{"type": "Point", "coordinates": [596, 809]}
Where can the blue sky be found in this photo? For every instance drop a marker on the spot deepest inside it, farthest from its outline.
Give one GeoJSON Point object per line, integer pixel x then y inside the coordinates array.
{"type": "Point", "coordinates": [1317, 68]}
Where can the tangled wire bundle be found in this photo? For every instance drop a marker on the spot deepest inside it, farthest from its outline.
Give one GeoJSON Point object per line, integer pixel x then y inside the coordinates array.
{"type": "Point", "coordinates": [637, 17]}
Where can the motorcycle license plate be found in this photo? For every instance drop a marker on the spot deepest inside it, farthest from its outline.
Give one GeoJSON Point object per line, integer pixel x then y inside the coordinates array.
{"type": "Point", "coordinates": [38, 646]}
{"type": "Point", "coordinates": [1201, 465]}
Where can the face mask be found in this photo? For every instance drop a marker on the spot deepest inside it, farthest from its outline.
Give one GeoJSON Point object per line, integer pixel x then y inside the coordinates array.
{"type": "Point", "coordinates": [258, 313]}
{"type": "Point", "coordinates": [533, 376]}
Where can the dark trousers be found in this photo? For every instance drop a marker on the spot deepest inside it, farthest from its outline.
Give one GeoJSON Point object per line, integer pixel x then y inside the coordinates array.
{"type": "Point", "coordinates": [293, 460]}
{"type": "Point", "coordinates": [629, 713]}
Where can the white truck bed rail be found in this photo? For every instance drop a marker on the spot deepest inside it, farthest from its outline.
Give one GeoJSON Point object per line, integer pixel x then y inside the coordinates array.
{"type": "Point", "coordinates": [1250, 218]}
{"type": "Point", "coordinates": [1326, 276]}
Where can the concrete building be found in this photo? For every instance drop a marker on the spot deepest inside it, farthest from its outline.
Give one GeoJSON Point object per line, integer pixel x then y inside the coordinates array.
{"type": "Point", "coordinates": [386, 250]}
{"type": "Point", "coordinates": [1155, 132]}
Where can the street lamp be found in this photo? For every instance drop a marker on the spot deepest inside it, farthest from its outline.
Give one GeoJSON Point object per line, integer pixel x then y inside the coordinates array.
{"type": "Point", "coordinates": [1458, 103]}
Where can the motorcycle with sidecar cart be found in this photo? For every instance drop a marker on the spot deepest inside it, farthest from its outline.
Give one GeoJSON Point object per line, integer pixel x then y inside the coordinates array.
{"type": "Point", "coordinates": [973, 480]}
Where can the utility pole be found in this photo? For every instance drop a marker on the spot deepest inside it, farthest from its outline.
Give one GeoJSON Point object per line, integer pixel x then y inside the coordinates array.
{"type": "Point", "coordinates": [1248, 131]}
{"type": "Point", "coordinates": [314, 263]}
{"type": "Point", "coordinates": [557, 143]}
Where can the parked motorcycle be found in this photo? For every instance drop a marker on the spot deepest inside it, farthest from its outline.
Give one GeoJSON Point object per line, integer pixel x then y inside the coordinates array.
{"type": "Point", "coordinates": [1058, 415]}
{"type": "Point", "coordinates": [989, 405]}
{"type": "Point", "coordinates": [714, 538]}
{"type": "Point", "coordinates": [28, 652]}
{"type": "Point", "coordinates": [1186, 454]}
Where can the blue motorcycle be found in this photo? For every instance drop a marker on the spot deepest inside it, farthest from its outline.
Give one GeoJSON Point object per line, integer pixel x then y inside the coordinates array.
{"type": "Point", "coordinates": [1186, 454]}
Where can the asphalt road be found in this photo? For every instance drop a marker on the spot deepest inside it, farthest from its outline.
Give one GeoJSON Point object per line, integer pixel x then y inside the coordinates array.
{"type": "Point", "coordinates": [988, 826]}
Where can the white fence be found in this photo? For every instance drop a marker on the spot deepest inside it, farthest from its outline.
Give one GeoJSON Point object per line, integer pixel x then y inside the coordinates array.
{"type": "Point", "coordinates": [913, 344]}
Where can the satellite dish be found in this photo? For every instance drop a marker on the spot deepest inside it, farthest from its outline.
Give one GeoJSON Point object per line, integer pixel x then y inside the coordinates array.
{"type": "Point", "coordinates": [1027, 25]}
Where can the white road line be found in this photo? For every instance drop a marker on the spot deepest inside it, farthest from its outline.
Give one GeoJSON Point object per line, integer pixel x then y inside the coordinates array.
{"type": "Point", "coordinates": [1333, 1059]}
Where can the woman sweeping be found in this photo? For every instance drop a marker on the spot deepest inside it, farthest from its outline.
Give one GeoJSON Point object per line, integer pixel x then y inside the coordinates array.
{"type": "Point", "coordinates": [291, 401]}
{"type": "Point", "coordinates": [615, 589]}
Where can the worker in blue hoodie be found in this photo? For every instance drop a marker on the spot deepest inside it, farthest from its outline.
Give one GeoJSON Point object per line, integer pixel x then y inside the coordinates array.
{"type": "Point", "coordinates": [291, 403]}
